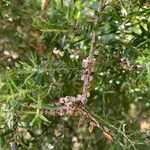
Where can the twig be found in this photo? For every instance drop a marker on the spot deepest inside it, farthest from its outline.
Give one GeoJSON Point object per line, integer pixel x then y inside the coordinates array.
{"type": "Point", "coordinates": [89, 62]}
{"type": "Point", "coordinates": [123, 135]}
{"type": "Point", "coordinates": [86, 113]}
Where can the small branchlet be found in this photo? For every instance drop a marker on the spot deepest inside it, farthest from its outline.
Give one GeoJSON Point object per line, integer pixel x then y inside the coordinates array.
{"type": "Point", "coordinates": [128, 65]}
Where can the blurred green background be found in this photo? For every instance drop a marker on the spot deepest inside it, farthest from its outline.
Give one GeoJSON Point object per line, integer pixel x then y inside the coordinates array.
{"type": "Point", "coordinates": [42, 47]}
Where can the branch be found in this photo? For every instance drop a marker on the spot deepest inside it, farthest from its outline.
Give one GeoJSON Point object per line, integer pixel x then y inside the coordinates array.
{"type": "Point", "coordinates": [70, 104]}
{"type": "Point", "coordinates": [89, 62]}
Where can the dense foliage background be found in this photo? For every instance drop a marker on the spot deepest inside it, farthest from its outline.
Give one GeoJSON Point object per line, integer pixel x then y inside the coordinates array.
{"type": "Point", "coordinates": [42, 46]}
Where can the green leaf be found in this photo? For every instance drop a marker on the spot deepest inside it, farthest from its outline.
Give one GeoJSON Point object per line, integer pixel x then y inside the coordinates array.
{"type": "Point", "coordinates": [44, 118]}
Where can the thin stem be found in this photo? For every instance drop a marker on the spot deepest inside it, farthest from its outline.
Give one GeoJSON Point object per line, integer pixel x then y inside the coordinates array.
{"type": "Point", "coordinates": [92, 44]}
{"type": "Point", "coordinates": [89, 61]}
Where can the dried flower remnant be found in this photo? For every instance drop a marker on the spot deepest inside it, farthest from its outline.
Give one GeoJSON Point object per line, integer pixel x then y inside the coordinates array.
{"type": "Point", "coordinates": [74, 55]}
{"type": "Point", "coordinates": [91, 125]}
{"type": "Point", "coordinates": [58, 52]}
{"type": "Point", "coordinates": [127, 65]}
{"type": "Point", "coordinates": [108, 136]}
{"type": "Point", "coordinates": [11, 54]}
{"type": "Point", "coordinates": [81, 121]}
{"type": "Point", "coordinates": [87, 64]}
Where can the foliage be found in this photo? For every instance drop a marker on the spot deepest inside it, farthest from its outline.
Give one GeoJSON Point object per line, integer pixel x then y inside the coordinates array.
{"type": "Point", "coordinates": [50, 43]}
